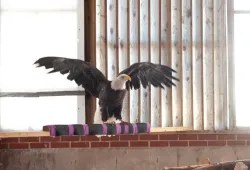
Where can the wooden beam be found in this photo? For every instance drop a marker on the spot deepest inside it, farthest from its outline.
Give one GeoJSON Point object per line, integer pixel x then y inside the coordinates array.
{"type": "Point", "coordinates": [220, 165]}
{"type": "Point", "coordinates": [43, 94]}
{"type": "Point", "coordinates": [23, 134]}
{"type": "Point", "coordinates": [90, 52]}
{"type": "Point", "coordinates": [170, 129]}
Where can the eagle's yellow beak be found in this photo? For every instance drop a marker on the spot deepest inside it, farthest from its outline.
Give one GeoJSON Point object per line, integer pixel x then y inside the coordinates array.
{"type": "Point", "coordinates": [128, 77]}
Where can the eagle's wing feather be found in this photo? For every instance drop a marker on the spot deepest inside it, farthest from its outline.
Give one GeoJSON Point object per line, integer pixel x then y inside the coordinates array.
{"type": "Point", "coordinates": [147, 73]}
{"type": "Point", "coordinates": [82, 72]}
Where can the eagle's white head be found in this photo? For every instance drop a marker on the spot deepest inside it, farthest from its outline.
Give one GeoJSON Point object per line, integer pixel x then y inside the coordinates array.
{"type": "Point", "coordinates": [119, 83]}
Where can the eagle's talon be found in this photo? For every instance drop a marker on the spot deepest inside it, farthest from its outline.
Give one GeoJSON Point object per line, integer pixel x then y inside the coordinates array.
{"type": "Point", "coordinates": [124, 122]}
{"type": "Point", "coordinates": [109, 122]}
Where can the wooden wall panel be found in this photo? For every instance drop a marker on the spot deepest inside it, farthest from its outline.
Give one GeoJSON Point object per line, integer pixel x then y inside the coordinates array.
{"type": "Point", "coordinates": [112, 39]}
{"type": "Point", "coordinates": [101, 41]}
{"type": "Point", "coordinates": [187, 111]}
{"type": "Point", "coordinates": [155, 58]}
{"type": "Point", "coordinates": [123, 55]}
{"type": "Point", "coordinates": [188, 35]}
{"type": "Point", "coordinates": [176, 61]}
{"type": "Point", "coordinates": [208, 64]}
{"type": "Point", "coordinates": [220, 79]}
{"type": "Point", "coordinates": [134, 55]}
{"type": "Point", "coordinates": [144, 52]}
{"type": "Point", "coordinates": [231, 66]}
{"type": "Point", "coordinates": [165, 42]}
{"type": "Point", "coordinates": [197, 60]}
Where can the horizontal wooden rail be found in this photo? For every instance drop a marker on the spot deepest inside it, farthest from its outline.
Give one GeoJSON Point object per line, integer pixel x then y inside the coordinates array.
{"type": "Point", "coordinates": [42, 94]}
{"type": "Point", "coordinates": [170, 129]}
{"type": "Point", "coordinates": [23, 134]}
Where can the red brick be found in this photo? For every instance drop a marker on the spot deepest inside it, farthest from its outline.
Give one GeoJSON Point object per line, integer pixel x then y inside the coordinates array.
{"type": "Point", "coordinates": [138, 143]}
{"type": "Point", "coordinates": [207, 137]}
{"type": "Point", "coordinates": [129, 137]}
{"type": "Point", "coordinates": [119, 144]}
{"type": "Point", "coordinates": [216, 143]}
{"type": "Point", "coordinates": [70, 138]}
{"type": "Point", "coordinates": [99, 144]}
{"type": "Point", "coordinates": [79, 144]}
{"type": "Point", "coordinates": [178, 143]}
{"type": "Point", "coordinates": [236, 143]}
{"type": "Point", "coordinates": [148, 137]}
{"type": "Point", "coordinates": [19, 145]}
{"type": "Point", "coordinates": [4, 146]}
{"type": "Point", "coordinates": [9, 140]}
{"type": "Point", "coordinates": [111, 138]}
{"type": "Point", "coordinates": [158, 143]}
{"type": "Point", "coordinates": [197, 143]}
{"type": "Point", "coordinates": [226, 137]}
{"type": "Point", "coordinates": [89, 138]}
{"type": "Point", "coordinates": [187, 136]}
{"type": "Point", "coordinates": [168, 137]}
{"type": "Point", "coordinates": [59, 145]}
{"type": "Point", "coordinates": [50, 139]}
{"type": "Point", "coordinates": [39, 145]}
{"type": "Point", "coordinates": [243, 137]}
{"type": "Point", "coordinates": [29, 139]}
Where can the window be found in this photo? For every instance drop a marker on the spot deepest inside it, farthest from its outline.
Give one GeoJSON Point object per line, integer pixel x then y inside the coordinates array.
{"type": "Point", "coordinates": [31, 29]}
{"type": "Point", "coordinates": [242, 60]}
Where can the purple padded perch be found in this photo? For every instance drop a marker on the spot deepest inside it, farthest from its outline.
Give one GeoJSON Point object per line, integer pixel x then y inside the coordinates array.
{"type": "Point", "coordinates": [97, 129]}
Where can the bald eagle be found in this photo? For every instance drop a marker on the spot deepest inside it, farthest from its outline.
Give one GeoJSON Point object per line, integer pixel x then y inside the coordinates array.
{"type": "Point", "coordinates": [110, 93]}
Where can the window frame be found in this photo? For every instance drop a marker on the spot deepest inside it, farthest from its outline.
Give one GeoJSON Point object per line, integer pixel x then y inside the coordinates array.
{"type": "Point", "coordinates": [81, 113]}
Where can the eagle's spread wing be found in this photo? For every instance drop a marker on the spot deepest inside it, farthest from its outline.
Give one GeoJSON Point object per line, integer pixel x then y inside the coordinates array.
{"type": "Point", "coordinates": [149, 73]}
{"type": "Point", "coordinates": [82, 72]}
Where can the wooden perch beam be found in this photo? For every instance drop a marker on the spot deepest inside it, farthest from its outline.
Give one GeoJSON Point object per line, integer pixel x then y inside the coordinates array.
{"type": "Point", "coordinates": [170, 129]}
{"type": "Point", "coordinates": [214, 166]}
{"type": "Point", "coordinates": [23, 134]}
{"type": "Point", "coordinates": [42, 94]}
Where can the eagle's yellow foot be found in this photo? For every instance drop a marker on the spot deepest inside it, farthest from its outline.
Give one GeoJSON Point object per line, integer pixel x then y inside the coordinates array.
{"type": "Point", "coordinates": [123, 122]}
{"type": "Point", "coordinates": [109, 122]}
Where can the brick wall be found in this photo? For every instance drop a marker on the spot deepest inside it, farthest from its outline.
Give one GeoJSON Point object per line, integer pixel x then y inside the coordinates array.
{"type": "Point", "coordinates": [123, 141]}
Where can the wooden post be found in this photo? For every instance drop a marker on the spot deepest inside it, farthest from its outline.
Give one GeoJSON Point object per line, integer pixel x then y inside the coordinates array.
{"type": "Point", "coordinates": [90, 25]}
